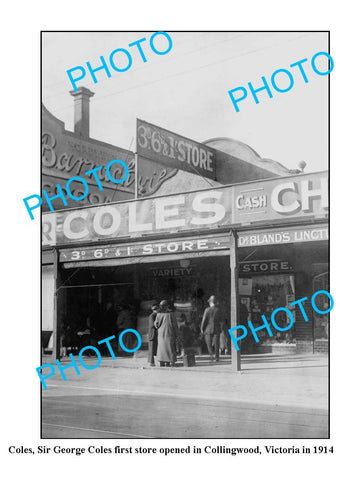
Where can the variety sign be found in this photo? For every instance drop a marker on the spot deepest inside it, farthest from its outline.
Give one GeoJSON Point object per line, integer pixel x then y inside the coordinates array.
{"type": "Point", "coordinates": [288, 199]}
{"type": "Point", "coordinates": [172, 272]}
{"type": "Point", "coordinates": [174, 150]}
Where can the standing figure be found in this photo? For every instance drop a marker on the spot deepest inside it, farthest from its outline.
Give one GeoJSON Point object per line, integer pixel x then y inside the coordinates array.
{"type": "Point", "coordinates": [211, 327]}
{"type": "Point", "coordinates": [152, 335]}
{"type": "Point", "coordinates": [186, 335]}
{"type": "Point", "coordinates": [224, 338]}
{"type": "Point", "coordinates": [167, 333]}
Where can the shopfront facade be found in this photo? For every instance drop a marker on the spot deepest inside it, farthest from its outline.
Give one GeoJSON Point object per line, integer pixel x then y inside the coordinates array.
{"type": "Point", "coordinates": [281, 266]}
{"type": "Point", "coordinates": [260, 244]}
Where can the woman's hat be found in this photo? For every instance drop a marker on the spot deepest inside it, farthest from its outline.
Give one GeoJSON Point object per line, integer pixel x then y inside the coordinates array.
{"type": "Point", "coordinates": [164, 304]}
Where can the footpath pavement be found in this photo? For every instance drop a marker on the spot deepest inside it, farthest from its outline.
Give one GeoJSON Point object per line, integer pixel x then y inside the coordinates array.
{"type": "Point", "coordinates": [268, 379]}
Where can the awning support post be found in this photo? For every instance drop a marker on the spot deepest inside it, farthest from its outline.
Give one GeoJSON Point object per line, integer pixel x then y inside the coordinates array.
{"type": "Point", "coordinates": [56, 309]}
{"type": "Point", "coordinates": [234, 299]}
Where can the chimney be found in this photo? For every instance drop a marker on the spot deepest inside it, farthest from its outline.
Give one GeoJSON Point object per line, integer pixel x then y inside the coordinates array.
{"type": "Point", "coordinates": [82, 111]}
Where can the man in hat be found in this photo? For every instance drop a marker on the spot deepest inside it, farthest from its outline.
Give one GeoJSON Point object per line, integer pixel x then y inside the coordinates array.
{"type": "Point", "coordinates": [211, 328]}
{"type": "Point", "coordinates": [167, 332]}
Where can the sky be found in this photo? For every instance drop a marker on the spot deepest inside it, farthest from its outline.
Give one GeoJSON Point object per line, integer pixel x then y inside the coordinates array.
{"type": "Point", "coordinates": [186, 90]}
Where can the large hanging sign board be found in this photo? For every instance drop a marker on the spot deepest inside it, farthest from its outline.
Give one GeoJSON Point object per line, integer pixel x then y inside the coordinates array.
{"type": "Point", "coordinates": [175, 151]}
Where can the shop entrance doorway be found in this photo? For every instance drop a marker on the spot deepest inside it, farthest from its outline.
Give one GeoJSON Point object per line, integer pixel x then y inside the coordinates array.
{"type": "Point", "coordinates": [94, 296]}
{"type": "Point", "coordinates": [186, 284]}
{"type": "Point", "coordinates": [321, 321]}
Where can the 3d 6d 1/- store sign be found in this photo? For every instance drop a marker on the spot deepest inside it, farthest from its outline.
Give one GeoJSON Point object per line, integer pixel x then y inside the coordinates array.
{"type": "Point", "coordinates": [175, 151]}
{"type": "Point", "coordinates": [301, 196]}
{"type": "Point", "coordinates": [183, 245]}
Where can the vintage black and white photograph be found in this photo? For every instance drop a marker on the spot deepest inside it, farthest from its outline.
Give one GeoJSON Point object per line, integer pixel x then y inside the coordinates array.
{"type": "Point", "coordinates": [185, 239]}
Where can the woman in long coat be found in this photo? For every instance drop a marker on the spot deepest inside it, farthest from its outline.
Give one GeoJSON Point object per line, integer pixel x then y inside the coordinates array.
{"type": "Point", "coordinates": [167, 333]}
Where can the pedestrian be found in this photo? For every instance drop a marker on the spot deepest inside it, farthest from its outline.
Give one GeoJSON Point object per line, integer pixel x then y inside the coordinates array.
{"type": "Point", "coordinates": [186, 335]}
{"type": "Point", "coordinates": [223, 338]}
{"type": "Point", "coordinates": [211, 328]}
{"type": "Point", "coordinates": [86, 337]}
{"type": "Point", "coordinates": [167, 333]}
{"type": "Point", "coordinates": [153, 335]}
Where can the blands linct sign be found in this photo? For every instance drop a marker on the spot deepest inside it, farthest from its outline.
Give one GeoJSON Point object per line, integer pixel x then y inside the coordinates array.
{"type": "Point", "coordinates": [175, 151]}
{"type": "Point", "coordinates": [277, 200]}
{"type": "Point", "coordinates": [287, 235]}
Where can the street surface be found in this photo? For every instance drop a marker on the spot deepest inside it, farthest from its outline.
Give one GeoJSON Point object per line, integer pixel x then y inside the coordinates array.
{"type": "Point", "coordinates": [273, 397]}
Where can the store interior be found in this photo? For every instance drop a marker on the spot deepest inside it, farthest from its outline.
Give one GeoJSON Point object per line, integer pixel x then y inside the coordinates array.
{"type": "Point", "coordinates": [96, 299]}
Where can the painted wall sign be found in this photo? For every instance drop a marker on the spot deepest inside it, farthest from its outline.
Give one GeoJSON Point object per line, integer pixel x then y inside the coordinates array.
{"type": "Point", "coordinates": [94, 197]}
{"type": "Point", "coordinates": [184, 245]}
{"type": "Point", "coordinates": [151, 175]}
{"type": "Point", "coordinates": [282, 198]}
{"type": "Point", "coordinates": [280, 236]}
{"type": "Point", "coordinates": [288, 199]}
{"type": "Point", "coordinates": [261, 267]}
{"type": "Point", "coordinates": [175, 151]}
{"type": "Point", "coordinates": [65, 155]}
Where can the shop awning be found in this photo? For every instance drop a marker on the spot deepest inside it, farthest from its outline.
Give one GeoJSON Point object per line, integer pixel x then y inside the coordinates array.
{"type": "Point", "coordinates": [114, 262]}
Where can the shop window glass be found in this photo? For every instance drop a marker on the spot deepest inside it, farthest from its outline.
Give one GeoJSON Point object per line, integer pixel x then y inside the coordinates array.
{"type": "Point", "coordinates": [269, 292]}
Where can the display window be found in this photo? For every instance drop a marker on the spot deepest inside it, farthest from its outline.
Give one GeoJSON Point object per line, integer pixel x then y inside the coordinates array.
{"type": "Point", "coordinates": [265, 293]}
{"type": "Point", "coordinates": [101, 301]}
{"type": "Point", "coordinates": [186, 284]}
